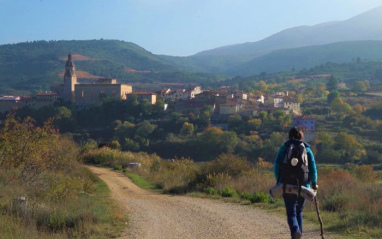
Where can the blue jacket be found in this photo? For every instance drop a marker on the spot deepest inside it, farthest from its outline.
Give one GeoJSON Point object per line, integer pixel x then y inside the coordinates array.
{"type": "Point", "coordinates": [311, 162]}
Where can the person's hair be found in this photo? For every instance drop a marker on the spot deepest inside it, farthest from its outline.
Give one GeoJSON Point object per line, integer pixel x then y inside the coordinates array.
{"type": "Point", "coordinates": [296, 133]}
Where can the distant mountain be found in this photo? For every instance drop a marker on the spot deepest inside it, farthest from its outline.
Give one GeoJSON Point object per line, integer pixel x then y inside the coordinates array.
{"type": "Point", "coordinates": [311, 56]}
{"type": "Point", "coordinates": [366, 26]}
{"type": "Point", "coordinates": [34, 66]}
{"type": "Point", "coordinates": [227, 59]}
{"type": "Point", "coordinates": [212, 64]}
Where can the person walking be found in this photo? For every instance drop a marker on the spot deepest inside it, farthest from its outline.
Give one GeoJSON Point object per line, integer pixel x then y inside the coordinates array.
{"type": "Point", "coordinates": [295, 165]}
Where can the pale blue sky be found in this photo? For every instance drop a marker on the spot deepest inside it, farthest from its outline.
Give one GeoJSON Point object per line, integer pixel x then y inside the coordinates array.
{"type": "Point", "coordinates": [171, 27]}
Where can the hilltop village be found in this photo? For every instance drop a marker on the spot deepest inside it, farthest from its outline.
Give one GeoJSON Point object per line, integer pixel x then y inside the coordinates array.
{"type": "Point", "coordinates": [222, 101]}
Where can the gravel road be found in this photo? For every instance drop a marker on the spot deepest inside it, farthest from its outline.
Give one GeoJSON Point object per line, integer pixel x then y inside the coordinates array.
{"type": "Point", "coordinates": [157, 216]}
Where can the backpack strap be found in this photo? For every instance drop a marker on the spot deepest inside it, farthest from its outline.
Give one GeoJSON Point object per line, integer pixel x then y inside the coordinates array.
{"type": "Point", "coordinates": [304, 154]}
{"type": "Point", "coordinates": [282, 164]}
{"type": "Point", "coordinates": [288, 153]}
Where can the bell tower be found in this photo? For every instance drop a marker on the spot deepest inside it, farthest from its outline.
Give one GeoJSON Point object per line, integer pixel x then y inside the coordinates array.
{"type": "Point", "coordinates": [70, 79]}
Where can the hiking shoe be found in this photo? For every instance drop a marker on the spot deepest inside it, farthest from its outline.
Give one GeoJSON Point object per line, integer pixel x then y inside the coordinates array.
{"type": "Point", "coordinates": [296, 235]}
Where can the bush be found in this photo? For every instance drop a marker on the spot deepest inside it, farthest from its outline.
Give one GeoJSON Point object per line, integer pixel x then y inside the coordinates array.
{"type": "Point", "coordinates": [365, 173]}
{"type": "Point", "coordinates": [159, 185]}
{"type": "Point", "coordinates": [228, 192]}
{"type": "Point", "coordinates": [210, 191]}
{"type": "Point", "coordinates": [228, 164]}
{"type": "Point", "coordinates": [118, 168]}
{"type": "Point", "coordinates": [174, 176]}
{"type": "Point", "coordinates": [260, 197]}
{"type": "Point", "coordinates": [246, 196]}
{"type": "Point", "coordinates": [337, 202]}
{"type": "Point", "coordinates": [109, 157]}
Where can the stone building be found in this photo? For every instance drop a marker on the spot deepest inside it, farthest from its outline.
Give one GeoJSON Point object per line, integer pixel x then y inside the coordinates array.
{"type": "Point", "coordinates": [70, 80]}
{"type": "Point", "coordinates": [94, 93]}
{"type": "Point", "coordinates": [8, 102]}
{"type": "Point", "coordinates": [141, 95]}
{"type": "Point", "coordinates": [229, 108]}
{"type": "Point", "coordinates": [180, 94]}
{"type": "Point", "coordinates": [284, 102]}
{"type": "Point", "coordinates": [85, 94]}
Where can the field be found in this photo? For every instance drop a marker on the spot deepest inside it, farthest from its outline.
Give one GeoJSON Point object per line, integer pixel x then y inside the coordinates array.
{"type": "Point", "coordinates": [374, 93]}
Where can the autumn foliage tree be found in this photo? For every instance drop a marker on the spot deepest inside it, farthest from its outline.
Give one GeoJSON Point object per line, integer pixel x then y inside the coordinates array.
{"type": "Point", "coordinates": [30, 155]}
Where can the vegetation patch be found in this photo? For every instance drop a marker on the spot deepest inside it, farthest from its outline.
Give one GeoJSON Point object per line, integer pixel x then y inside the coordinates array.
{"type": "Point", "coordinates": [348, 196]}
{"type": "Point", "coordinates": [45, 191]}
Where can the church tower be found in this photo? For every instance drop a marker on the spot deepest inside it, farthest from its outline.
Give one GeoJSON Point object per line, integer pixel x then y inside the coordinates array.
{"type": "Point", "coordinates": [70, 79]}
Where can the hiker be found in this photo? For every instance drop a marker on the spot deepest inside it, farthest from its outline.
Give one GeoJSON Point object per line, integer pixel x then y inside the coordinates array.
{"type": "Point", "coordinates": [294, 202]}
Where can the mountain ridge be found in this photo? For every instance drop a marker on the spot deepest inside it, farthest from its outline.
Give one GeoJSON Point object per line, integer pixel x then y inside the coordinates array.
{"type": "Point", "coordinates": [371, 18]}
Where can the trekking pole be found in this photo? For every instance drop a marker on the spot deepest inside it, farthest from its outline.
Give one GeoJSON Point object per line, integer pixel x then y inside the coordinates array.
{"type": "Point", "coordinates": [319, 217]}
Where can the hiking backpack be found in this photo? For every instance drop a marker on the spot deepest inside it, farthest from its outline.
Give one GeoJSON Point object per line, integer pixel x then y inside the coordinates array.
{"type": "Point", "coordinates": [294, 170]}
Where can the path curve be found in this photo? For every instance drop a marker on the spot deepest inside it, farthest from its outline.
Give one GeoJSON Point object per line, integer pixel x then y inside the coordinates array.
{"type": "Point", "coordinates": [157, 216]}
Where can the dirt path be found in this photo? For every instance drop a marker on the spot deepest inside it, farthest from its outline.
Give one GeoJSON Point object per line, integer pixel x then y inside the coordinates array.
{"type": "Point", "coordinates": [156, 216]}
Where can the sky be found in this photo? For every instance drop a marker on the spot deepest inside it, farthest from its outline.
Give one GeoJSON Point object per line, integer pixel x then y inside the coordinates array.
{"type": "Point", "coordinates": [169, 27]}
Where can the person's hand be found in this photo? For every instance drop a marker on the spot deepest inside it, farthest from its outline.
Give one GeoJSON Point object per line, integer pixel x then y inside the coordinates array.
{"type": "Point", "coordinates": [315, 187]}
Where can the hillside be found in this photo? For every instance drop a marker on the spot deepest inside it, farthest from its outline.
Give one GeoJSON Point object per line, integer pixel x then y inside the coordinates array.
{"type": "Point", "coordinates": [307, 57]}
{"type": "Point", "coordinates": [33, 66]}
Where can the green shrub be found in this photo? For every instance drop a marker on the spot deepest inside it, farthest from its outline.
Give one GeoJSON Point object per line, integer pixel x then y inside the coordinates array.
{"type": "Point", "coordinates": [228, 192]}
{"type": "Point", "coordinates": [336, 202]}
{"type": "Point", "coordinates": [210, 191]}
{"type": "Point", "coordinates": [363, 218]}
{"type": "Point", "coordinates": [260, 197]}
{"type": "Point", "coordinates": [246, 195]}
{"type": "Point", "coordinates": [118, 168]}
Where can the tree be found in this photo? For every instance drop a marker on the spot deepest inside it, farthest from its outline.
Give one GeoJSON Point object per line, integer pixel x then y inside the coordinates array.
{"type": "Point", "coordinates": [332, 83]}
{"type": "Point", "coordinates": [254, 124]}
{"type": "Point", "coordinates": [326, 138]}
{"type": "Point", "coordinates": [271, 145]}
{"type": "Point", "coordinates": [159, 106]}
{"type": "Point", "coordinates": [124, 130]}
{"type": "Point", "coordinates": [187, 129]}
{"type": "Point", "coordinates": [320, 90]}
{"type": "Point", "coordinates": [279, 114]}
{"type": "Point", "coordinates": [204, 118]}
{"type": "Point", "coordinates": [359, 86]}
{"type": "Point", "coordinates": [143, 132]}
{"type": "Point", "coordinates": [64, 120]}
{"type": "Point", "coordinates": [145, 107]}
{"type": "Point", "coordinates": [340, 107]}
{"type": "Point", "coordinates": [349, 147]}
{"type": "Point", "coordinates": [212, 142]}
{"type": "Point", "coordinates": [34, 157]}
{"type": "Point", "coordinates": [332, 96]}
{"type": "Point", "coordinates": [234, 122]}
{"type": "Point", "coordinates": [263, 115]}
{"type": "Point", "coordinates": [325, 145]}
{"type": "Point", "coordinates": [132, 105]}
{"type": "Point", "coordinates": [358, 108]}
{"type": "Point", "coordinates": [262, 86]}
{"type": "Point", "coordinates": [130, 145]}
